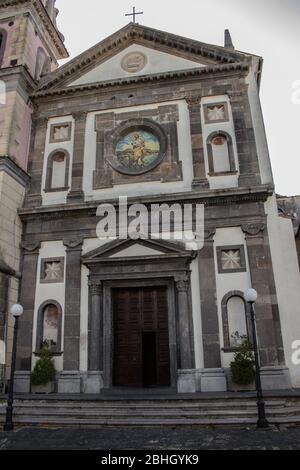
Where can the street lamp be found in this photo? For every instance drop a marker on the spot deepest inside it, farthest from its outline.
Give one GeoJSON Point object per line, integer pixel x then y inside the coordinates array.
{"type": "Point", "coordinates": [16, 311]}
{"type": "Point", "coordinates": [250, 296]}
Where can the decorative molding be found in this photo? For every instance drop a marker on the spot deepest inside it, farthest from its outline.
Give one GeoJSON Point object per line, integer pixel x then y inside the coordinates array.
{"type": "Point", "coordinates": [254, 229]}
{"type": "Point", "coordinates": [208, 198]}
{"type": "Point", "coordinates": [204, 71]}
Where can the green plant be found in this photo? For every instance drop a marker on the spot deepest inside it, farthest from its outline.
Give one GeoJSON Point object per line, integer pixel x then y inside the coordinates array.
{"type": "Point", "coordinates": [44, 370]}
{"type": "Point", "coordinates": [243, 366]}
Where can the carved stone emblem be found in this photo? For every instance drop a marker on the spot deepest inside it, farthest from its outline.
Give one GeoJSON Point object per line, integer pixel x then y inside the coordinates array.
{"type": "Point", "coordinates": [134, 62]}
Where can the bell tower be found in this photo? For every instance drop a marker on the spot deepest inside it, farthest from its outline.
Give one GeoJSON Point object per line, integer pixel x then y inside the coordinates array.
{"type": "Point", "coordinates": [30, 47]}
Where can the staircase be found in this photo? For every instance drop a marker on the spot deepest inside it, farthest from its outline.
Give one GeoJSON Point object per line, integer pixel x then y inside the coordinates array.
{"type": "Point", "coordinates": [201, 410]}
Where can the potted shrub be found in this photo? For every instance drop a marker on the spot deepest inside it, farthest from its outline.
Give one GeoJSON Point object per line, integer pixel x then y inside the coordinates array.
{"type": "Point", "coordinates": [43, 374]}
{"type": "Point", "coordinates": [243, 368]}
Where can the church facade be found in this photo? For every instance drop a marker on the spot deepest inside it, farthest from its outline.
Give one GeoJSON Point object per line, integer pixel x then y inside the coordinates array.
{"type": "Point", "coordinates": [161, 122]}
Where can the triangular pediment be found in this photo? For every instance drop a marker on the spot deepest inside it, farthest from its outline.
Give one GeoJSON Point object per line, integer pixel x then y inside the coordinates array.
{"type": "Point", "coordinates": [135, 51]}
{"type": "Point", "coordinates": [136, 60]}
{"type": "Point", "coordinates": [135, 248]}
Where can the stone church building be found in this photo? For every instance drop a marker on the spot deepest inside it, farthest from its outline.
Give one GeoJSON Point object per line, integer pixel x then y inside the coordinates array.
{"type": "Point", "coordinates": [158, 119]}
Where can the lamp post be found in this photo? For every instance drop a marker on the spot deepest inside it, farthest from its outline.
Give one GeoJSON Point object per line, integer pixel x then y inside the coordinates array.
{"type": "Point", "coordinates": [250, 296]}
{"type": "Point", "coordinates": [16, 311]}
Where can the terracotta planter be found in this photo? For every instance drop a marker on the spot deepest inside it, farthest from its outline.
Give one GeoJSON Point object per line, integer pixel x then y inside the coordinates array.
{"type": "Point", "coordinates": [43, 389]}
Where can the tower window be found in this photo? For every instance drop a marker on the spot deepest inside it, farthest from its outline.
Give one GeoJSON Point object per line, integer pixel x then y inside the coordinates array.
{"type": "Point", "coordinates": [220, 153]}
{"type": "Point", "coordinates": [3, 36]}
{"type": "Point", "coordinates": [57, 177]}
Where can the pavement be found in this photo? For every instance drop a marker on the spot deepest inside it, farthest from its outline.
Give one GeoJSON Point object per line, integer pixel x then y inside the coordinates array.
{"type": "Point", "coordinates": [150, 439]}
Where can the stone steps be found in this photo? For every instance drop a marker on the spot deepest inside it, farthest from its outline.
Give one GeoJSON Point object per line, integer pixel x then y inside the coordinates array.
{"type": "Point", "coordinates": [145, 406]}
{"type": "Point", "coordinates": [204, 411]}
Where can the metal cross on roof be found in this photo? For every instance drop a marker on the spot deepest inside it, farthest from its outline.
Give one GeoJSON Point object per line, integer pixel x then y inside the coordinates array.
{"type": "Point", "coordinates": [134, 14]}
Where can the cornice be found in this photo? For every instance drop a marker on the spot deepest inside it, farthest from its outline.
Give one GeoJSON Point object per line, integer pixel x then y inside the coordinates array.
{"type": "Point", "coordinates": [48, 24]}
{"type": "Point", "coordinates": [191, 73]}
{"type": "Point", "coordinates": [19, 70]}
{"type": "Point", "coordinates": [12, 169]}
{"type": "Point", "coordinates": [208, 198]}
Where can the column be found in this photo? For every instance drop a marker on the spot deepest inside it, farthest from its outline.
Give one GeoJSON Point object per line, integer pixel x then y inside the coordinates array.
{"type": "Point", "coordinates": [69, 380]}
{"type": "Point", "coordinates": [27, 300]}
{"type": "Point", "coordinates": [185, 324]}
{"type": "Point", "coordinates": [186, 382]}
{"type": "Point", "coordinates": [96, 328]}
{"type": "Point", "coordinates": [213, 377]}
{"type": "Point", "coordinates": [76, 194]}
{"type": "Point", "coordinates": [94, 381]}
{"type": "Point", "coordinates": [274, 373]}
{"type": "Point", "coordinates": [36, 162]}
{"type": "Point", "coordinates": [194, 107]}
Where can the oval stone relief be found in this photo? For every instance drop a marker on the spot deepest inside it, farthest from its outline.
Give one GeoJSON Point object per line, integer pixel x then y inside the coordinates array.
{"type": "Point", "coordinates": [134, 62]}
{"type": "Point", "coordinates": [136, 152]}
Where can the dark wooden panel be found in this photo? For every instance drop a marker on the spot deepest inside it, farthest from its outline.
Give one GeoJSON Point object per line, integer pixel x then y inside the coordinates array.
{"type": "Point", "coordinates": [140, 336]}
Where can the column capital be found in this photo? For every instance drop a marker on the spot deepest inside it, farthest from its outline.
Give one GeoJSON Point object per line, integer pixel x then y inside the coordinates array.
{"type": "Point", "coordinates": [254, 229]}
{"type": "Point", "coordinates": [96, 288]}
{"type": "Point", "coordinates": [79, 115]}
{"type": "Point", "coordinates": [31, 247]}
{"type": "Point", "coordinates": [194, 100]}
{"type": "Point", "coordinates": [73, 243]}
{"type": "Point", "coordinates": [40, 122]}
{"type": "Point", "coordinates": [209, 233]}
{"type": "Point", "coordinates": [182, 283]}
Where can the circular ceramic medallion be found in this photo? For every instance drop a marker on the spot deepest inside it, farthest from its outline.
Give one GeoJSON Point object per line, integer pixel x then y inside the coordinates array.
{"type": "Point", "coordinates": [136, 152]}
{"type": "Point", "coordinates": [134, 62]}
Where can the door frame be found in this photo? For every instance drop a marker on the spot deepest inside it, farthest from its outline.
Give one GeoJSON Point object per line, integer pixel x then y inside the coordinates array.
{"type": "Point", "coordinates": [108, 350]}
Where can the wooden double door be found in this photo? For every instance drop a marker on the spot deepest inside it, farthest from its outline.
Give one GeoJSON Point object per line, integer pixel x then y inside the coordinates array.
{"type": "Point", "coordinates": [141, 356]}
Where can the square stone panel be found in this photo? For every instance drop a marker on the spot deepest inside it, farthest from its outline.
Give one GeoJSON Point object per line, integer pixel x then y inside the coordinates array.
{"type": "Point", "coordinates": [216, 112]}
{"type": "Point", "coordinates": [52, 270]}
{"type": "Point", "coordinates": [60, 132]}
{"type": "Point", "coordinates": [231, 259]}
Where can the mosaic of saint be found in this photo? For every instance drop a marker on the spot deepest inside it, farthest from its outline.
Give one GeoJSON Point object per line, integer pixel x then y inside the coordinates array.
{"type": "Point", "coordinates": [138, 151]}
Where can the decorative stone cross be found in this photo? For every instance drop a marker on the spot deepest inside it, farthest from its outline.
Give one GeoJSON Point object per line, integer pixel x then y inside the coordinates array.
{"type": "Point", "coordinates": [134, 14]}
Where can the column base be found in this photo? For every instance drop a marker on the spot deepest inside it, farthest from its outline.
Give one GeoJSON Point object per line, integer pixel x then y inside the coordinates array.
{"type": "Point", "coordinates": [275, 378]}
{"type": "Point", "coordinates": [92, 382]}
{"type": "Point", "coordinates": [69, 382]}
{"type": "Point", "coordinates": [187, 380]}
{"type": "Point", "coordinates": [213, 380]}
{"type": "Point", "coordinates": [22, 382]}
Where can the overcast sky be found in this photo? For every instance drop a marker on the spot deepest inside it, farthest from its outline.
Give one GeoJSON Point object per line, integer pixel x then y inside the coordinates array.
{"type": "Point", "coordinates": [269, 28]}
